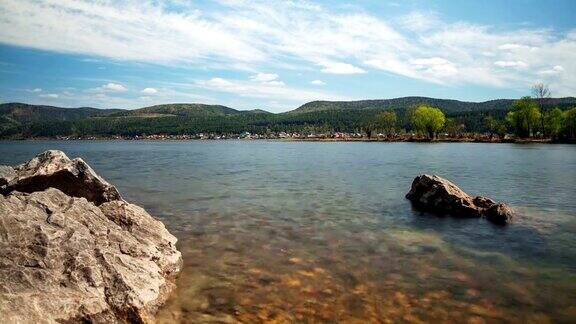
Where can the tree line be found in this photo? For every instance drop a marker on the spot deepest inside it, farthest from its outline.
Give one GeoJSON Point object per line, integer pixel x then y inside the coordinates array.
{"type": "Point", "coordinates": [526, 119]}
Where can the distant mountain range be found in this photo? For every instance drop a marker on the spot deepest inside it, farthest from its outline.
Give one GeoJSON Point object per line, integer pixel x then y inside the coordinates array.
{"type": "Point", "coordinates": [23, 120]}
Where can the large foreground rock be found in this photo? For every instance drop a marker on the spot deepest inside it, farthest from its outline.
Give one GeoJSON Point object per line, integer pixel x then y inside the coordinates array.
{"type": "Point", "coordinates": [53, 169]}
{"type": "Point", "coordinates": [438, 195]}
{"type": "Point", "coordinates": [77, 255]}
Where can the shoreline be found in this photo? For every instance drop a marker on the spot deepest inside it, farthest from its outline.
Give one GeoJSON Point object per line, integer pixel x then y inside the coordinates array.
{"type": "Point", "coordinates": [367, 140]}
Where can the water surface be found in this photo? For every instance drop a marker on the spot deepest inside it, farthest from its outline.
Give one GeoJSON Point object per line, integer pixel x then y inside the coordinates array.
{"type": "Point", "coordinates": [321, 232]}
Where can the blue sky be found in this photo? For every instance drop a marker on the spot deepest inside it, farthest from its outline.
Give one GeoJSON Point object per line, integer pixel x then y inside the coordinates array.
{"type": "Point", "coordinates": [277, 55]}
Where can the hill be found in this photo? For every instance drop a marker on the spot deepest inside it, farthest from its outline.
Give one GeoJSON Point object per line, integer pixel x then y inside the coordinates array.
{"type": "Point", "coordinates": [25, 113]}
{"type": "Point", "coordinates": [447, 105]}
{"type": "Point", "coordinates": [179, 109]}
{"type": "Point", "coordinates": [15, 116]}
{"type": "Point", "coordinates": [27, 121]}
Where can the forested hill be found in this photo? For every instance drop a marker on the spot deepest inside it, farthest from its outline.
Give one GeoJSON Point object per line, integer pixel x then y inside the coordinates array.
{"type": "Point", "coordinates": [15, 117]}
{"type": "Point", "coordinates": [24, 113]}
{"type": "Point", "coordinates": [181, 109]}
{"type": "Point", "coordinates": [26, 121]}
{"type": "Point", "coordinates": [447, 105]}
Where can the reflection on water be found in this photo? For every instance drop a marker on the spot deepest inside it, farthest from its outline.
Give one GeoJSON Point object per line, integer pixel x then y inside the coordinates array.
{"type": "Point", "coordinates": [321, 232]}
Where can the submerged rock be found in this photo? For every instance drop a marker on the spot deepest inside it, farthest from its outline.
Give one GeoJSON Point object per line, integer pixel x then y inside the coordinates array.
{"type": "Point", "coordinates": [72, 251]}
{"type": "Point", "coordinates": [435, 194]}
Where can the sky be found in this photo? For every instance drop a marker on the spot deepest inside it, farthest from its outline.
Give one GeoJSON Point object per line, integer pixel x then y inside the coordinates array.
{"type": "Point", "coordinates": [278, 55]}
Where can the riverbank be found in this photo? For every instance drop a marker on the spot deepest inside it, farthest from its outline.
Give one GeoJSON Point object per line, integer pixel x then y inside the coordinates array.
{"type": "Point", "coordinates": [306, 139]}
{"type": "Point", "coordinates": [437, 140]}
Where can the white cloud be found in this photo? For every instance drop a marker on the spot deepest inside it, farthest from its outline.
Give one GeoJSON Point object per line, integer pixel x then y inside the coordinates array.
{"type": "Point", "coordinates": [107, 88]}
{"type": "Point", "coordinates": [515, 64]}
{"type": "Point", "coordinates": [257, 35]}
{"type": "Point", "coordinates": [169, 92]}
{"type": "Point", "coordinates": [265, 77]}
{"type": "Point", "coordinates": [49, 95]}
{"type": "Point", "coordinates": [275, 82]}
{"type": "Point", "coordinates": [111, 87]}
{"type": "Point", "coordinates": [340, 68]}
{"type": "Point", "coordinates": [435, 67]}
{"type": "Point", "coordinates": [393, 65]}
{"type": "Point", "coordinates": [317, 82]}
{"type": "Point", "coordinates": [150, 91]}
{"type": "Point", "coordinates": [420, 21]}
{"type": "Point", "coordinates": [218, 83]}
{"type": "Point", "coordinates": [507, 46]}
{"type": "Point", "coordinates": [552, 71]}
{"type": "Point", "coordinates": [127, 30]}
{"type": "Point", "coordinates": [254, 89]}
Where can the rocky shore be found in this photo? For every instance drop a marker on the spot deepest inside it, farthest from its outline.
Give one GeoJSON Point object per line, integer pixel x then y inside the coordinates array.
{"type": "Point", "coordinates": [72, 250]}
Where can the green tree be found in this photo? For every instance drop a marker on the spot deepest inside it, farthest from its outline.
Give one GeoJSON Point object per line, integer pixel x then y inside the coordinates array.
{"type": "Point", "coordinates": [491, 124]}
{"type": "Point", "coordinates": [386, 121]}
{"type": "Point", "coordinates": [501, 129]}
{"type": "Point", "coordinates": [428, 120]}
{"type": "Point", "coordinates": [495, 127]}
{"type": "Point", "coordinates": [369, 128]}
{"type": "Point", "coordinates": [554, 121]}
{"type": "Point", "coordinates": [570, 123]}
{"type": "Point", "coordinates": [524, 117]}
{"type": "Point", "coordinates": [453, 127]}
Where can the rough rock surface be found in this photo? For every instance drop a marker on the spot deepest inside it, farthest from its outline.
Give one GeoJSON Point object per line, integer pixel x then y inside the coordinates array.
{"type": "Point", "coordinates": [7, 173]}
{"type": "Point", "coordinates": [65, 257]}
{"type": "Point", "coordinates": [499, 213]}
{"type": "Point", "coordinates": [53, 169]}
{"type": "Point", "coordinates": [436, 194]}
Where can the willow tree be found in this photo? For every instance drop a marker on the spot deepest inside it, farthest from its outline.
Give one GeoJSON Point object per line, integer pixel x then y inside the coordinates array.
{"type": "Point", "coordinates": [570, 123]}
{"type": "Point", "coordinates": [428, 120]}
{"type": "Point", "coordinates": [554, 121]}
{"type": "Point", "coordinates": [524, 117]}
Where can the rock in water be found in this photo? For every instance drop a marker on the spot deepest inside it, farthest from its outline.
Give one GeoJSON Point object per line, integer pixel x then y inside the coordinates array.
{"type": "Point", "coordinates": [71, 250]}
{"type": "Point", "coordinates": [499, 213]}
{"type": "Point", "coordinates": [438, 195]}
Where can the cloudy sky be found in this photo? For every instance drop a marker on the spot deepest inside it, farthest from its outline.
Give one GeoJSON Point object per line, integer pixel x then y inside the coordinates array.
{"type": "Point", "coordinates": [277, 55]}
